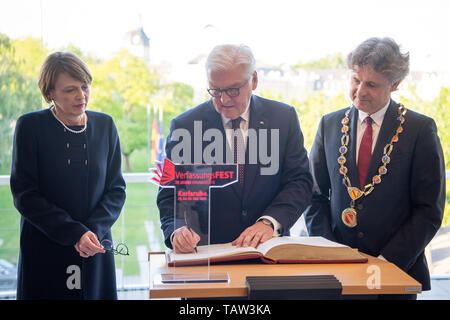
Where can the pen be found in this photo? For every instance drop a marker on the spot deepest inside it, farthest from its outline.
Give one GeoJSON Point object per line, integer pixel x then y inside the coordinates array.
{"type": "Point", "coordinates": [195, 249]}
{"type": "Point", "coordinates": [189, 228]}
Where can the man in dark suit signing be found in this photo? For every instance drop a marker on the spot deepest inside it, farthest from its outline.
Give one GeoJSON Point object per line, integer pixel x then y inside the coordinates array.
{"type": "Point", "coordinates": [270, 195]}
{"type": "Point", "coordinates": [378, 167]}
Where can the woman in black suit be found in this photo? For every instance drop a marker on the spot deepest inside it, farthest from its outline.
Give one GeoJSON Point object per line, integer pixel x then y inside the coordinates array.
{"type": "Point", "coordinates": [67, 184]}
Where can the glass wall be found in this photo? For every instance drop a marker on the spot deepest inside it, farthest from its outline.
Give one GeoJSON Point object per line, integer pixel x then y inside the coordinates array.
{"type": "Point", "coordinates": [147, 59]}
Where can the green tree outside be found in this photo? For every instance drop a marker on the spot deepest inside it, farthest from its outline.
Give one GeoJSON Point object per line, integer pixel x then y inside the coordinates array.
{"type": "Point", "coordinates": [331, 61]}
{"type": "Point", "coordinates": [18, 89]}
{"type": "Point", "coordinates": [125, 87]}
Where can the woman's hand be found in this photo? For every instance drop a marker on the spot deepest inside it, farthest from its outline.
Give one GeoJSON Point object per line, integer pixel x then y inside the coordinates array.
{"type": "Point", "coordinates": [88, 245]}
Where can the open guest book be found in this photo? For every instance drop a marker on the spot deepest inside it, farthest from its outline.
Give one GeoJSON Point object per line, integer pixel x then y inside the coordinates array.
{"type": "Point", "coordinates": [275, 250]}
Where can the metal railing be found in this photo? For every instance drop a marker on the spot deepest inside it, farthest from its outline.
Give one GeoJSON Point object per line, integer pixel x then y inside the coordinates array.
{"type": "Point", "coordinates": [138, 177]}
{"type": "Point", "coordinates": [129, 178]}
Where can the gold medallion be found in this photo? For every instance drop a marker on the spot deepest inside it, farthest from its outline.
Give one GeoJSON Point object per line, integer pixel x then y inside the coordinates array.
{"type": "Point", "coordinates": [349, 217]}
{"type": "Point", "coordinates": [341, 160]}
{"type": "Point", "coordinates": [354, 193]}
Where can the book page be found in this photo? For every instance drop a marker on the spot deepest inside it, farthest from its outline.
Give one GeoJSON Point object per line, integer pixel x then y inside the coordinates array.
{"type": "Point", "coordinates": [307, 241]}
{"type": "Point", "coordinates": [212, 251]}
{"type": "Point", "coordinates": [226, 249]}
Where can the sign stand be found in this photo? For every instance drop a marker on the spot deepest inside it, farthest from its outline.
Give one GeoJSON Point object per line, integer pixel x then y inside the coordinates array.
{"type": "Point", "coordinates": [192, 185]}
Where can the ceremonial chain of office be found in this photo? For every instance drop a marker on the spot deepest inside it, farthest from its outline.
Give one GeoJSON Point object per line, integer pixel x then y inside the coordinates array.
{"type": "Point", "coordinates": [349, 215]}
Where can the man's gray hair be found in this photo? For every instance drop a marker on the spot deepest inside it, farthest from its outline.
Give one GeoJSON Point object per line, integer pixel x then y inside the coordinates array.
{"type": "Point", "coordinates": [383, 55]}
{"type": "Point", "coordinates": [223, 57]}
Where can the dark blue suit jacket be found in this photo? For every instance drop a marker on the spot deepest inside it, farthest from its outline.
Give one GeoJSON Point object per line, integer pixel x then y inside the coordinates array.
{"type": "Point", "coordinates": [402, 214]}
{"type": "Point", "coordinates": [60, 200]}
{"type": "Point", "coordinates": [284, 195]}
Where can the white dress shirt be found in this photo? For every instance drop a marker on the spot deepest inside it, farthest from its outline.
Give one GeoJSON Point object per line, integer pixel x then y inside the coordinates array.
{"type": "Point", "coordinates": [377, 121]}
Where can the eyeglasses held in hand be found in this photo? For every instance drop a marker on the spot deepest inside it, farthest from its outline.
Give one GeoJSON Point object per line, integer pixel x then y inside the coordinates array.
{"type": "Point", "coordinates": [121, 248]}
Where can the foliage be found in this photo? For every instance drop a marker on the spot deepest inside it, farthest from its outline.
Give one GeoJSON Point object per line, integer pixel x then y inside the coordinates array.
{"type": "Point", "coordinates": [310, 110]}
{"type": "Point", "coordinates": [18, 90]}
{"type": "Point", "coordinates": [176, 98]}
{"type": "Point", "coordinates": [125, 87]}
{"type": "Point", "coordinates": [331, 61]}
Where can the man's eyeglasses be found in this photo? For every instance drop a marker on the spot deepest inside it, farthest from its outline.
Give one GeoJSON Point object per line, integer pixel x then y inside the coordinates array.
{"type": "Point", "coordinates": [231, 92]}
{"type": "Point", "coordinates": [121, 248]}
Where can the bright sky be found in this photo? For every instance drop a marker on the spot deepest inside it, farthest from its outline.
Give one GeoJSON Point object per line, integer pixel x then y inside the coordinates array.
{"type": "Point", "coordinates": [278, 31]}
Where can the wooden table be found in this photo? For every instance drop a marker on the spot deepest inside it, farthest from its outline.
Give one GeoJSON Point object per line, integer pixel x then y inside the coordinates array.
{"type": "Point", "coordinates": [356, 278]}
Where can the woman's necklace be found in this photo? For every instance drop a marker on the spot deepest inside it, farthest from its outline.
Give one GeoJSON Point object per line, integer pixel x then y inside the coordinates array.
{"type": "Point", "coordinates": [66, 127]}
{"type": "Point", "coordinates": [349, 215]}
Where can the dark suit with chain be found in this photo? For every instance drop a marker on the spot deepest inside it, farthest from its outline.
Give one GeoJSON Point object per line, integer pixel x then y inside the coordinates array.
{"type": "Point", "coordinates": [402, 214]}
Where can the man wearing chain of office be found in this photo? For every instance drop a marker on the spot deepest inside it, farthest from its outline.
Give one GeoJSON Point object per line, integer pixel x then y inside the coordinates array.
{"type": "Point", "coordinates": [378, 167]}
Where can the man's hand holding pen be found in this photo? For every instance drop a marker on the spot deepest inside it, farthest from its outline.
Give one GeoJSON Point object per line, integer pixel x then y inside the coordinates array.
{"type": "Point", "coordinates": [185, 240]}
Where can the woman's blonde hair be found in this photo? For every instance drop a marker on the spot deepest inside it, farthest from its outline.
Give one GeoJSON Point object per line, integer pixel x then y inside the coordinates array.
{"type": "Point", "coordinates": [61, 62]}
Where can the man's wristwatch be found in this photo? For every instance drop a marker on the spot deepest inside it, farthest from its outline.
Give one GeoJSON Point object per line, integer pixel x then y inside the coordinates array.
{"type": "Point", "coordinates": [267, 222]}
